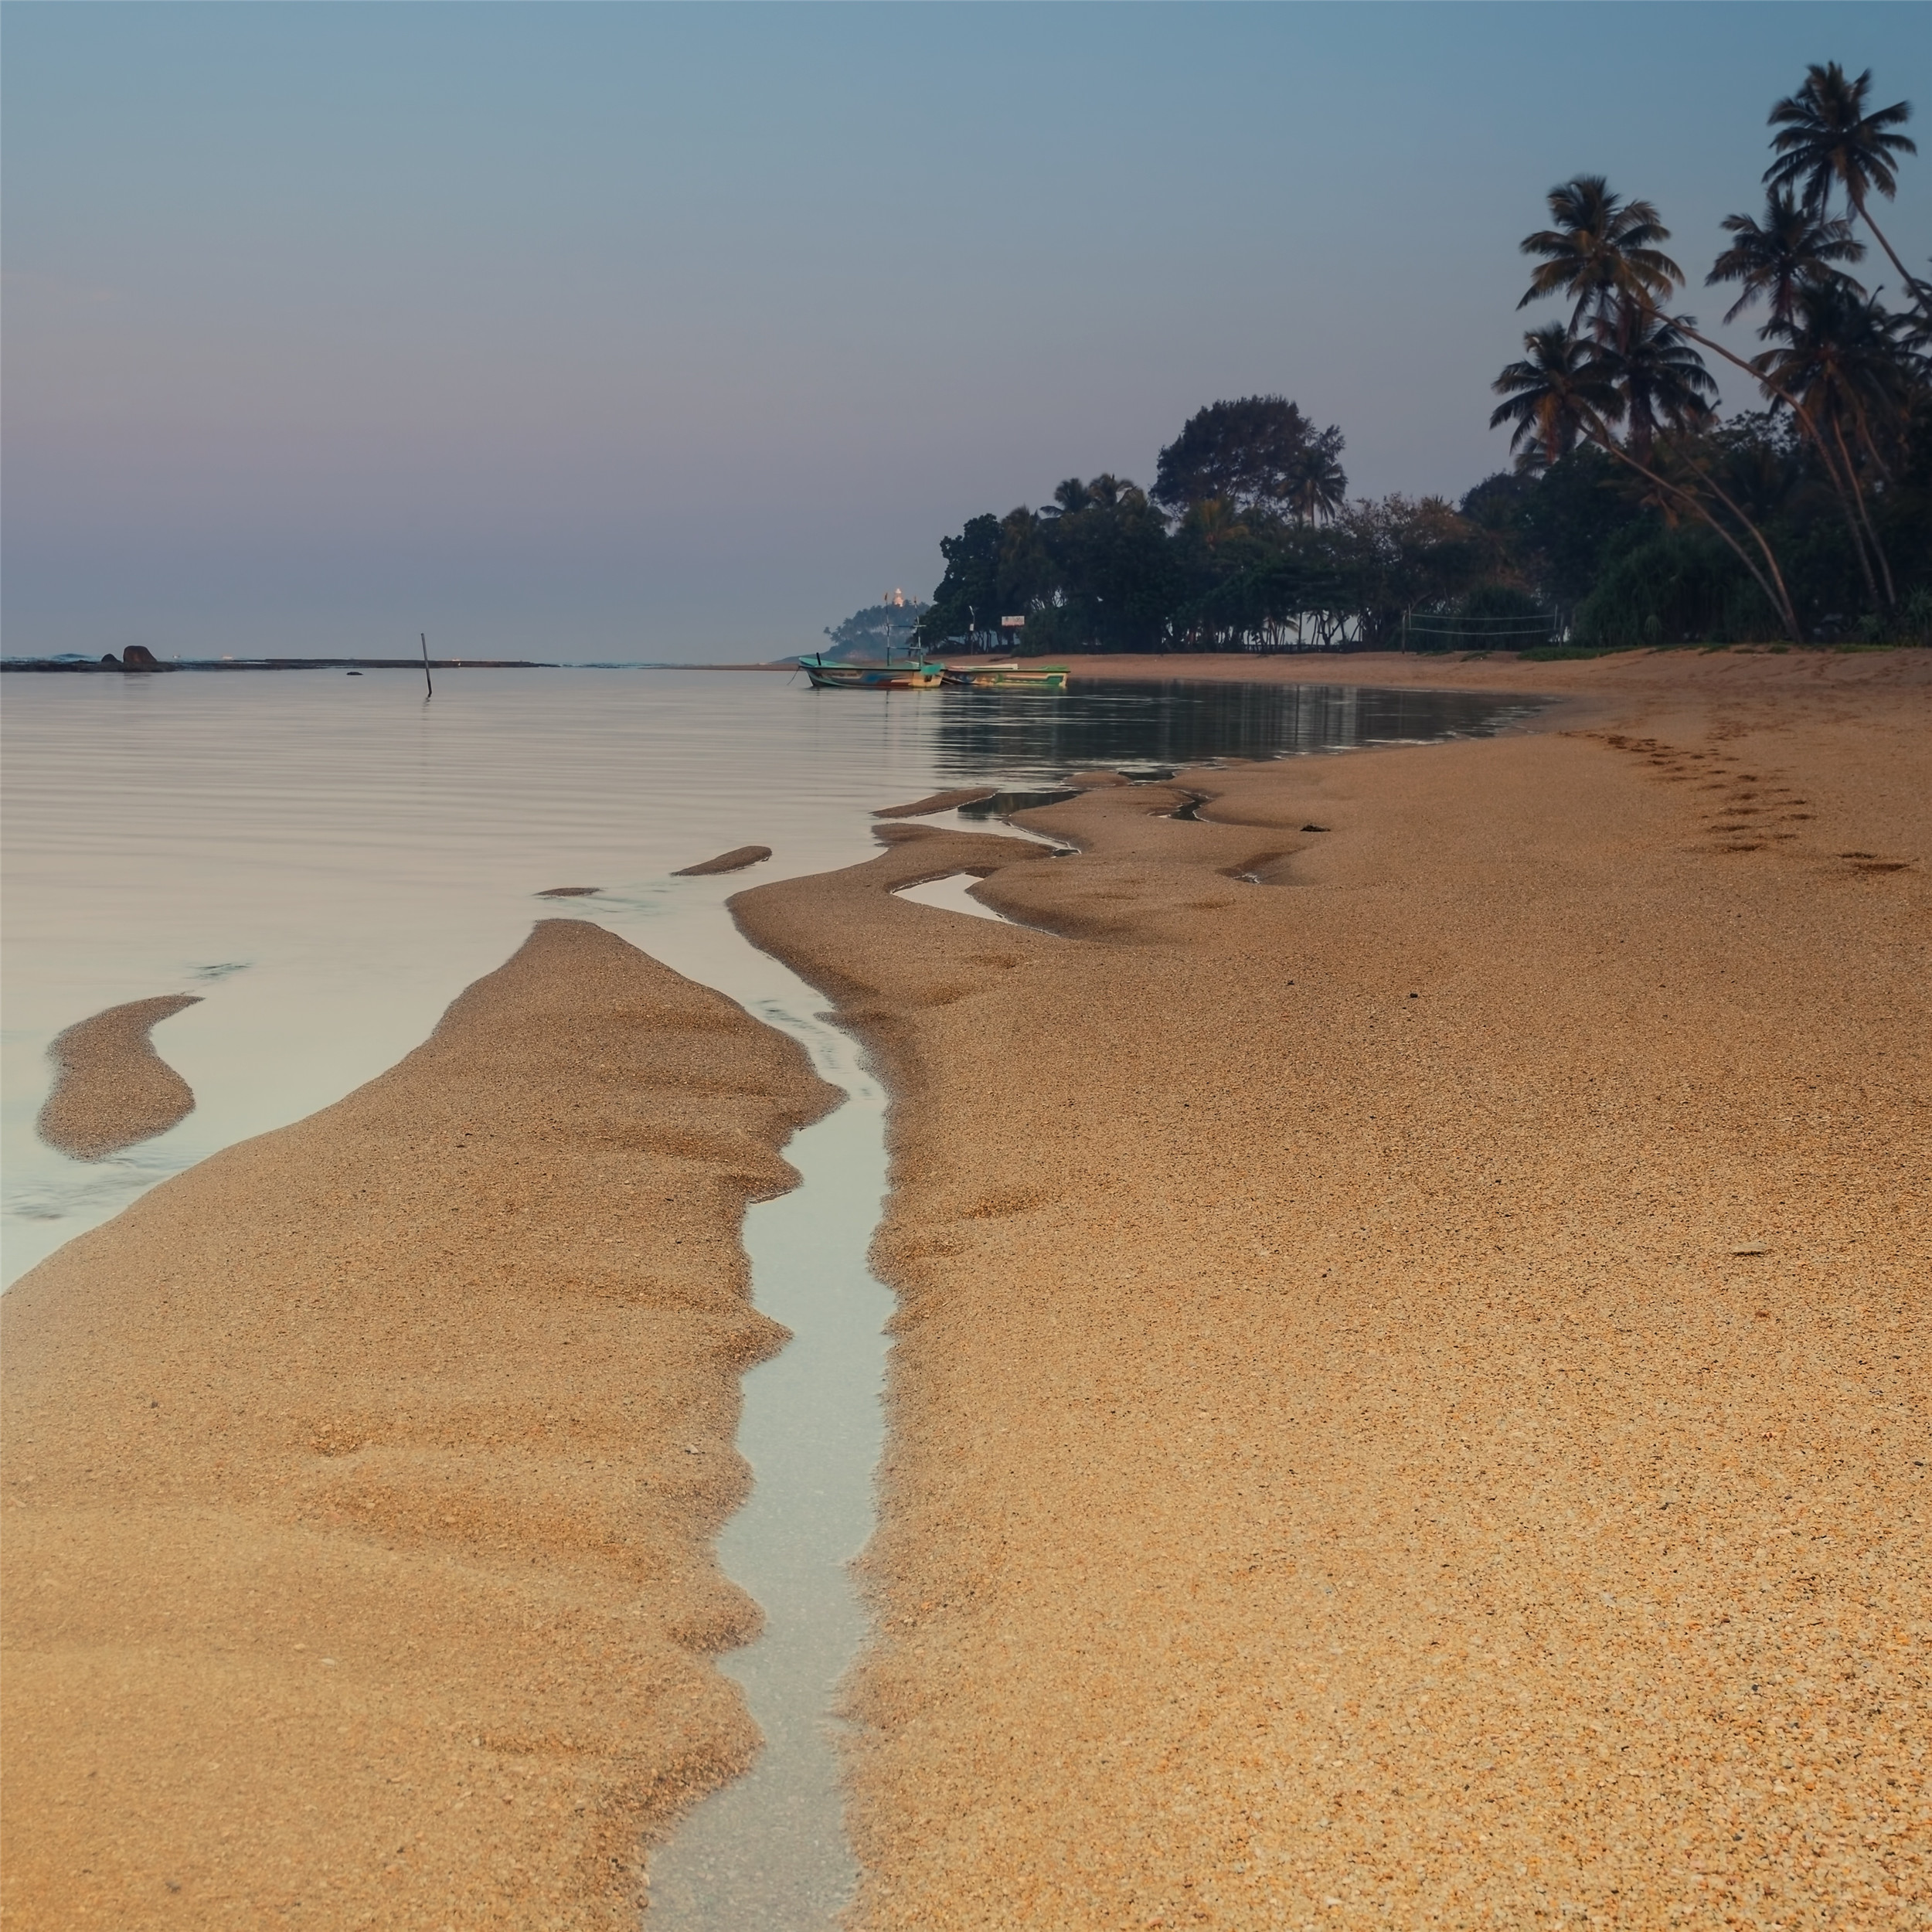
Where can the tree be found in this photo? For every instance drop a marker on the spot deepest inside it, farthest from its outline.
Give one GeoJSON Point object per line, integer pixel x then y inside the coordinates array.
{"type": "Point", "coordinates": [1259, 450]}
{"type": "Point", "coordinates": [1563, 390]}
{"type": "Point", "coordinates": [1827, 140]}
{"type": "Point", "coordinates": [1793, 247]}
{"type": "Point", "coordinates": [1664, 382]}
{"type": "Point", "coordinates": [1569, 387]}
{"type": "Point", "coordinates": [1319, 487]}
{"type": "Point", "coordinates": [1838, 358]}
{"type": "Point", "coordinates": [969, 588]}
{"type": "Point", "coordinates": [1601, 252]}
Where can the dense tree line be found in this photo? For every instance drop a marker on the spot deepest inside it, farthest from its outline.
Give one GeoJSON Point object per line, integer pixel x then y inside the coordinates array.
{"type": "Point", "coordinates": [1633, 514]}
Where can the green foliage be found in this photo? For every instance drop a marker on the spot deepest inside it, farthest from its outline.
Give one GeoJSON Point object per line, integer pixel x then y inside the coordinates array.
{"type": "Point", "coordinates": [1680, 587]}
{"type": "Point", "coordinates": [1259, 452]}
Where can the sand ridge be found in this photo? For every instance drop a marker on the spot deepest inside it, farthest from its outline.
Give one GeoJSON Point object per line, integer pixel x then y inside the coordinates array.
{"type": "Point", "coordinates": [111, 1089]}
{"type": "Point", "coordinates": [1342, 1469]}
{"type": "Point", "coordinates": [361, 1481]}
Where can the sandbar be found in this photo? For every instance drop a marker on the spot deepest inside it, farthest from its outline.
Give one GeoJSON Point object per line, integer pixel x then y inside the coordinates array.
{"type": "Point", "coordinates": [361, 1481]}
{"type": "Point", "coordinates": [111, 1089]}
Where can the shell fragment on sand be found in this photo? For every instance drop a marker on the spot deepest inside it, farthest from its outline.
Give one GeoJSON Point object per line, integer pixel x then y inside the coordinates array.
{"type": "Point", "coordinates": [735, 860]}
{"type": "Point", "coordinates": [111, 1089]}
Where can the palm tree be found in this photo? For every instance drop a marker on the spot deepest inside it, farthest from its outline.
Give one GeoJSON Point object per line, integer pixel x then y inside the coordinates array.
{"type": "Point", "coordinates": [1600, 252]}
{"type": "Point", "coordinates": [1663, 380]}
{"type": "Point", "coordinates": [1561, 391]}
{"type": "Point", "coordinates": [1319, 486]}
{"type": "Point", "coordinates": [1839, 356]}
{"type": "Point", "coordinates": [1569, 387]}
{"type": "Point", "coordinates": [1827, 140]}
{"type": "Point", "coordinates": [1601, 256]}
{"type": "Point", "coordinates": [1793, 247]}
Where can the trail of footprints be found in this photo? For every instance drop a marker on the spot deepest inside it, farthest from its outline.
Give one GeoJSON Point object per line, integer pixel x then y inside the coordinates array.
{"type": "Point", "coordinates": [1753, 812]}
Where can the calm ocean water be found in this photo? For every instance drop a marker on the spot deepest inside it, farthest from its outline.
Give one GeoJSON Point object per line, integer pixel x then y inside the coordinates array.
{"type": "Point", "coordinates": [329, 860]}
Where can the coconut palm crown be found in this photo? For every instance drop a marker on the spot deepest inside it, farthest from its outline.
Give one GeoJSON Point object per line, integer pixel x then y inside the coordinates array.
{"type": "Point", "coordinates": [1661, 378]}
{"type": "Point", "coordinates": [1793, 247]}
{"type": "Point", "coordinates": [1828, 140]}
{"type": "Point", "coordinates": [1601, 252]}
{"type": "Point", "coordinates": [1563, 390]}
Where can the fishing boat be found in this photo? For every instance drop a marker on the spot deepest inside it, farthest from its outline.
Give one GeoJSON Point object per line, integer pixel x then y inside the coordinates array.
{"type": "Point", "coordinates": [911, 674]}
{"type": "Point", "coordinates": [1009, 674]}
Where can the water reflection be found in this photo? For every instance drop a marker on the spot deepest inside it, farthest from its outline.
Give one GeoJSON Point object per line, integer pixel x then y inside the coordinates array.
{"type": "Point", "coordinates": [1098, 725]}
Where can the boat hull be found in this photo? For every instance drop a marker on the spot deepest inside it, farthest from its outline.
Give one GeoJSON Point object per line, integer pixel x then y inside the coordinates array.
{"type": "Point", "coordinates": [873, 677]}
{"type": "Point", "coordinates": [1007, 677]}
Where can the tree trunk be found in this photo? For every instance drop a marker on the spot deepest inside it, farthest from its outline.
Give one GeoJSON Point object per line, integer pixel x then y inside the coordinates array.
{"type": "Point", "coordinates": [1891, 596]}
{"type": "Point", "coordinates": [1912, 285]}
{"type": "Point", "coordinates": [1803, 417]}
{"type": "Point", "coordinates": [1778, 598]}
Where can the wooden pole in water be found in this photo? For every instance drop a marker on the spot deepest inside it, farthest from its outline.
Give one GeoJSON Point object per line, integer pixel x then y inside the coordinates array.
{"type": "Point", "coordinates": [429, 689]}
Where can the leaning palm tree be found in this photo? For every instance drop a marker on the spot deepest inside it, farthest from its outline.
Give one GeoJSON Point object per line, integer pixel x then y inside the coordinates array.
{"type": "Point", "coordinates": [1663, 380]}
{"type": "Point", "coordinates": [1793, 247]}
{"type": "Point", "coordinates": [1600, 251]}
{"type": "Point", "coordinates": [1562, 390]}
{"type": "Point", "coordinates": [1569, 388]}
{"type": "Point", "coordinates": [1827, 140]}
{"type": "Point", "coordinates": [1840, 357]}
{"type": "Point", "coordinates": [1601, 258]}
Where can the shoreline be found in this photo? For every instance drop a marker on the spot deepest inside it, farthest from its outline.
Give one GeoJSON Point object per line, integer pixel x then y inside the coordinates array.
{"type": "Point", "coordinates": [1408, 1408]}
{"type": "Point", "coordinates": [1111, 1329]}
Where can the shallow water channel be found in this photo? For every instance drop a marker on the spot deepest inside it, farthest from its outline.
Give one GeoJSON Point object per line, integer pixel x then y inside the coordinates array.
{"type": "Point", "coordinates": [328, 861]}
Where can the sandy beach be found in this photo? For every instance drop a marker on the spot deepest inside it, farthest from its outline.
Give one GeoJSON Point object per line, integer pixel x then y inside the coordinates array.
{"type": "Point", "coordinates": [362, 1480]}
{"type": "Point", "coordinates": [1409, 1405]}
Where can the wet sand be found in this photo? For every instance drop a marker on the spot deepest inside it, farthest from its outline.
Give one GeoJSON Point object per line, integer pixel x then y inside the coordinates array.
{"type": "Point", "coordinates": [735, 860]}
{"type": "Point", "coordinates": [111, 1089]}
{"type": "Point", "coordinates": [362, 1481]}
{"type": "Point", "coordinates": [1409, 1404]}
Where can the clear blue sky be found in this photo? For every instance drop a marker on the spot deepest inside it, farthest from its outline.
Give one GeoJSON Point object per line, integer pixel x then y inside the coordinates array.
{"type": "Point", "coordinates": [618, 330]}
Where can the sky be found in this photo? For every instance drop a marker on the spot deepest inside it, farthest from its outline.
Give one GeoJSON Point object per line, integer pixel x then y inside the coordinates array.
{"type": "Point", "coordinates": [627, 331]}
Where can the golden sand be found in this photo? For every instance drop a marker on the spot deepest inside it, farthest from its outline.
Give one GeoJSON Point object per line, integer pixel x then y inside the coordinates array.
{"type": "Point", "coordinates": [361, 1481]}
{"type": "Point", "coordinates": [111, 1088]}
{"type": "Point", "coordinates": [1409, 1405]}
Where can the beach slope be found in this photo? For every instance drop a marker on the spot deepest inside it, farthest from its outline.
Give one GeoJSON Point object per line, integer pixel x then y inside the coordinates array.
{"type": "Point", "coordinates": [1409, 1400]}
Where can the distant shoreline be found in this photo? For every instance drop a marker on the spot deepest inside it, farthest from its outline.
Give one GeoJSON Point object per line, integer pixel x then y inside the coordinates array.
{"type": "Point", "coordinates": [111, 667]}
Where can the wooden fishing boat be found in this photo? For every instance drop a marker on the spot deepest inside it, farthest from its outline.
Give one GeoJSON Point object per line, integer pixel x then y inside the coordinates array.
{"type": "Point", "coordinates": [1009, 674]}
{"type": "Point", "coordinates": [911, 674]}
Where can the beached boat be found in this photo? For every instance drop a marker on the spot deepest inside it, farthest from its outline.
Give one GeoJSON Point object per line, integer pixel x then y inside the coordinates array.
{"type": "Point", "coordinates": [911, 674]}
{"type": "Point", "coordinates": [1009, 674]}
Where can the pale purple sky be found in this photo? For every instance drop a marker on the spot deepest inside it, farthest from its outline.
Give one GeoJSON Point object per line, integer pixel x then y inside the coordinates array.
{"type": "Point", "coordinates": [628, 331]}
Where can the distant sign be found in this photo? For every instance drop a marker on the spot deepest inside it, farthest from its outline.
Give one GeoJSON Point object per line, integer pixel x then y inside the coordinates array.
{"type": "Point", "coordinates": [1012, 623]}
